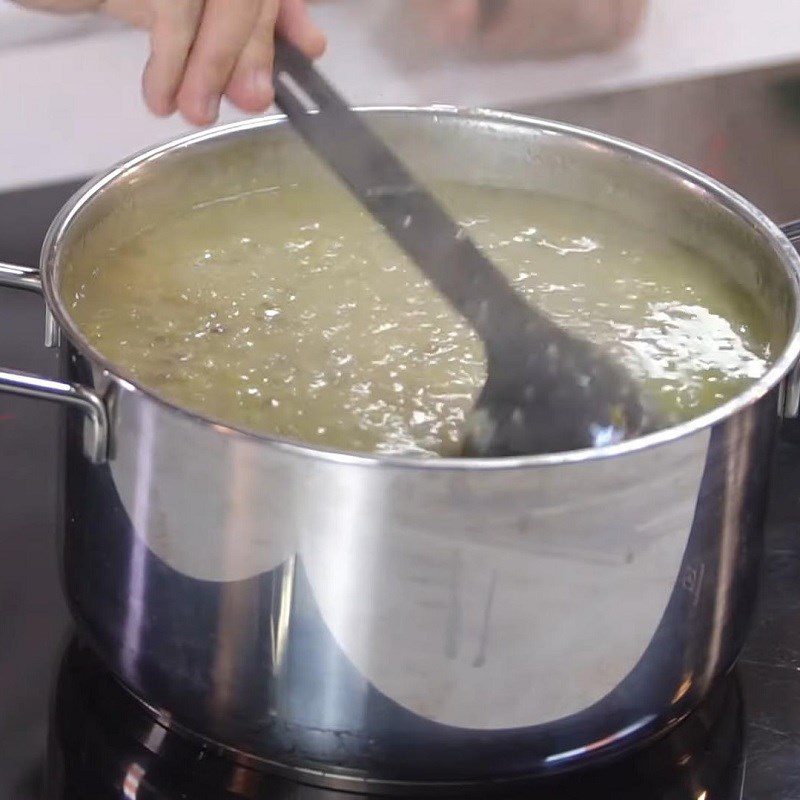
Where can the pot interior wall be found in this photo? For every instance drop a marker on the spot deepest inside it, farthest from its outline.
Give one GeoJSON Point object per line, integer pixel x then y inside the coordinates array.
{"type": "Point", "coordinates": [474, 149]}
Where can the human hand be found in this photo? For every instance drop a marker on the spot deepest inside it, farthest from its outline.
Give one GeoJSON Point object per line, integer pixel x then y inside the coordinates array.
{"type": "Point", "coordinates": [544, 28]}
{"type": "Point", "coordinates": [201, 50]}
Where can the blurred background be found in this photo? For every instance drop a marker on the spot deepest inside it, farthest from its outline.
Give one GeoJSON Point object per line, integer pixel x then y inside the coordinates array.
{"type": "Point", "coordinates": [715, 83]}
{"type": "Point", "coordinates": [70, 85]}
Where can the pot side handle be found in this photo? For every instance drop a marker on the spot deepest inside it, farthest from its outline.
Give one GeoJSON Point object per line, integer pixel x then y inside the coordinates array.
{"type": "Point", "coordinates": [95, 438]}
{"type": "Point", "coordinates": [792, 232]}
{"type": "Point", "coordinates": [790, 391]}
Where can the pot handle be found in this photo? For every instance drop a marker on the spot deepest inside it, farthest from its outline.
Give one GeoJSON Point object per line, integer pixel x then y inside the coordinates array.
{"type": "Point", "coordinates": [790, 391]}
{"type": "Point", "coordinates": [95, 437]}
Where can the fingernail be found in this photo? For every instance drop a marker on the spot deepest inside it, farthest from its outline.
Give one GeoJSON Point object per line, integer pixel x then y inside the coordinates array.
{"type": "Point", "coordinates": [211, 108]}
{"type": "Point", "coordinates": [261, 84]}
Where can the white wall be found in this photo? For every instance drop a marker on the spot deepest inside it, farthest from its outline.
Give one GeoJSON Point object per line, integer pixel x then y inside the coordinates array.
{"type": "Point", "coordinates": [70, 92]}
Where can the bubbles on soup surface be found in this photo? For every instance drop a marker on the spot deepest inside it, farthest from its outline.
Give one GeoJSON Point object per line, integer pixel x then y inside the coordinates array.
{"type": "Point", "coordinates": [289, 312]}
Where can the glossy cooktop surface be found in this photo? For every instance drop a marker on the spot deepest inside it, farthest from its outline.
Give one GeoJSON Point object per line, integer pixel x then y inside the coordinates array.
{"type": "Point", "coordinates": [743, 743]}
{"type": "Point", "coordinates": [103, 740]}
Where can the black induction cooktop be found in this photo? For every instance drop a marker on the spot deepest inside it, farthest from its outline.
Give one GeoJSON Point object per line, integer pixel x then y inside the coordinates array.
{"type": "Point", "coordinates": [69, 731]}
{"type": "Point", "coordinates": [102, 740]}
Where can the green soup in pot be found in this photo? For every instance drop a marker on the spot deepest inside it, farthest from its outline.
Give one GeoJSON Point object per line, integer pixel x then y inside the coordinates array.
{"type": "Point", "coordinates": [288, 311]}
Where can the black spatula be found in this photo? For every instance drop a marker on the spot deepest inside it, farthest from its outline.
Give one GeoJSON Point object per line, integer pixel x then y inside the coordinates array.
{"type": "Point", "coordinates": [546, 390]}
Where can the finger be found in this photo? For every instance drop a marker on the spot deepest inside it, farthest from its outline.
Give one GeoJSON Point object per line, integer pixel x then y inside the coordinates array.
{"type": "Point", "coordinates": [224, 29]}
{"type": "Point", "coordinates": [295, 23]}
{"type": "Point", "coordinates": [250, 86]}
{"type": "Point", "coordinates": [173, 31]}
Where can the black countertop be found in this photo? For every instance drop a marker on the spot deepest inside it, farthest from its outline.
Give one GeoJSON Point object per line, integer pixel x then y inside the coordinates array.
{"type": "Point", "coordinates": [33, 616]}
{"type": "Point", "coordinates": [743, 128]}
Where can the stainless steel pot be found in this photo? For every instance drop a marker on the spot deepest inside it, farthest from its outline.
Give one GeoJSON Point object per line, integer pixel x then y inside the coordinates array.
{"type": "Point", "coordinates": [390, 620]}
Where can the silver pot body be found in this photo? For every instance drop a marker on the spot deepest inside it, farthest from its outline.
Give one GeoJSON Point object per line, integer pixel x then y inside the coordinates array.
{"type": "Point", "coordinates": [389, 621]}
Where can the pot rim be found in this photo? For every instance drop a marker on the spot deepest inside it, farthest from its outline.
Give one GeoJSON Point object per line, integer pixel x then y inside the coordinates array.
{"type": "Point", "coordinates": [783, 248]}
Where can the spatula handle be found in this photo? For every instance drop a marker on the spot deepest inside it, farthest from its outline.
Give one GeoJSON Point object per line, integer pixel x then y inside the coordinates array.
{"type": "Point", "coordinates": [408, 212]}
